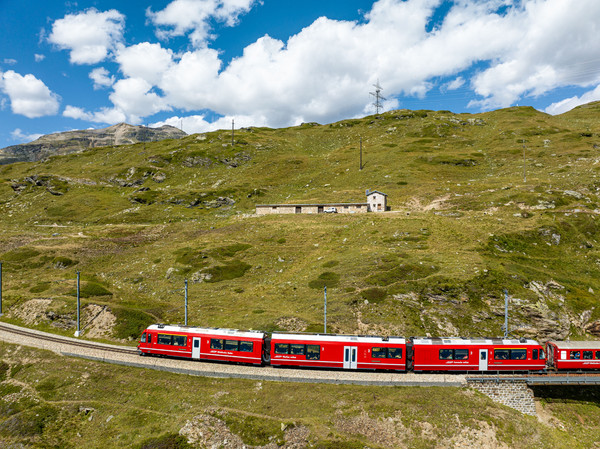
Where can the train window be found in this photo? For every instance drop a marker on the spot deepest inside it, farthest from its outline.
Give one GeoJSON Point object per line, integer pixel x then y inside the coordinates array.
{"type": "Point", "coordinates": [282, 348]}
{"type": "Point", "coordinates": [231, 345]}
{"type": "Point", "coordinates": [149, 338]}
{"type": "Point", "coordinates": [445, 354]}
{"type": "Point", "coordinates": [216, 343]}
{"type": "Point", "coordinates": [575, 355]}
{"type": "Point", "coordinates": [395, 353]}
{"type": "Point", "coordinates": [379, 353]}
{"type": "Point", "coordinates": [164, 339]}
{"type": "Point", "coordinates": [246, 346]}
{"type": "Point", "coordinates": [518, 354]}
{"type": "Point", "coordinates": [179, 340]}
{"type": "Point", "coordinates": [461, 354]}
{"type": "Point", "coordinates": [297, 349]}
{"type": "Point", "coordinates": [588, 355]}
{"type": "Point", "coordinates": [597, 353]}
{"type": "Point", "coordinates": [501, 354]}
{"type": "Point", "coordinates": [313, 352]}
{"type": "Point", "coordinates": [143, 338]}
{"type": "Point", "coordinates": [535, 354]}
{"type": "Point", "coordinates": [197, 343]}
{"type": "Point", "coordinates": [542, 354]}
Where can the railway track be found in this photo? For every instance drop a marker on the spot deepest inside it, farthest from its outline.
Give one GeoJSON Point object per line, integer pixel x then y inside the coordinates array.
{"type": "Point", "coordinates": [84, 344]}
{"type": "Point", "coordinates": [123, 355]}
{"type": "Point", "coordinates": [129, 356]}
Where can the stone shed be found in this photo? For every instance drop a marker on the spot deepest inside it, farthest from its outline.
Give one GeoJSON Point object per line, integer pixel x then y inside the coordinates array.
{"type": "Point", "coordinates": [376, 202]}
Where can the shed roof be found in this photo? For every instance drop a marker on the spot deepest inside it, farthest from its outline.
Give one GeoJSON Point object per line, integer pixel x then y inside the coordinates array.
{"type": "Point", "coordinates": [376, 191]}
{"type": "Point", "coordinates": [312, 205]}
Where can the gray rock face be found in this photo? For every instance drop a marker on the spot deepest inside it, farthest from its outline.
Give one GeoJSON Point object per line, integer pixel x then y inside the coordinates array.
{"type": "Point", "coordinates": [75, 141]}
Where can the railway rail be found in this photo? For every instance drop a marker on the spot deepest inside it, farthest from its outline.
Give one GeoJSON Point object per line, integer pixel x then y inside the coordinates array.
{"type": "Point", "coordinates": [123, 355]}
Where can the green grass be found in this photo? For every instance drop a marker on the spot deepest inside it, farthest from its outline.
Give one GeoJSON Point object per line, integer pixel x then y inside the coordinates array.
{"type": "Point", "coordinates": [70, 401]}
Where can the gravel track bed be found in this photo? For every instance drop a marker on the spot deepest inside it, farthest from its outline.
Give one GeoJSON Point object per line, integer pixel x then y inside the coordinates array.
{"type": "Point", "coordinates": [102, 352]}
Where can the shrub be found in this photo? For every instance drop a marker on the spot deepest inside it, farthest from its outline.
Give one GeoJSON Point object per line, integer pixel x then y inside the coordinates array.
{"type": "Point", "coordinates": [40, 287]}
{"type": "Point", "coordinates": [375, 295]}
{"type": "Point", "coordinates": [327, 279]}
{"type": "Point", "coordinates": [90, 289]}
{"type": "Point", "coordinates": [4, 367]}
{"type": "Point", "coordinates": [230, 250]}
{"type": "Point", "coordinates": [227, 272]}
{"type": "Point", "coordinates": [169, 441]}
{"type": "Point", "coordinates": [131, 323]}
{"type": "Point", "coordinates": [20, 255]}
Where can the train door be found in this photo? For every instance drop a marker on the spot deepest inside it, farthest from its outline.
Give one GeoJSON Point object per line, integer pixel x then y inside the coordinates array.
{"type": "Point", "coordinates": [350, 357]}
{"type": "Point", "coordinates": [483, 360]}
{"type": "Point", "coordinates": [196, 348]}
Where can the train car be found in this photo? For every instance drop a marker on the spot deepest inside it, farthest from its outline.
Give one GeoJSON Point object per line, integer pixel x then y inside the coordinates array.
{"type": "Point", "coordinates": [338, 351]}
{"type": "Point", "coordinates": [225, 345]}
{"type": "Point", "coordinates": [482, 355]}
{"type": "Point", "coordinates": [573, 355]}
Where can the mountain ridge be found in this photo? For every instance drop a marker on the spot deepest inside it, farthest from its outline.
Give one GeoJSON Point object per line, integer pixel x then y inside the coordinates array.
{"type": "Point", "coordinates": [80, 140]}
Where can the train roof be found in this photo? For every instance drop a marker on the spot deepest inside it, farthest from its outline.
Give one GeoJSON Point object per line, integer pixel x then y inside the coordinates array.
{"type": "Point", "coordinates": [338, 338]}
{"type": "Point", "coordinates": [207, 330]}
{"type": "Point", "coordinates": [576, 344]}
{"type": "Point", "coordinates": [471, 341]}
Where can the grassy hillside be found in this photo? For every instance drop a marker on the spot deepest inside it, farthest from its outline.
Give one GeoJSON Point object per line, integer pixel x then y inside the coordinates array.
{"type": "Point", "coordinates": [468, 220]}
{"type": "Point", "coordinates": [95, 405]}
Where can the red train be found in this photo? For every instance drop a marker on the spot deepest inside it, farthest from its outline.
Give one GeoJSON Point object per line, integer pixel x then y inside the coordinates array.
{"type": "Point", "coordinates": [367, 352]}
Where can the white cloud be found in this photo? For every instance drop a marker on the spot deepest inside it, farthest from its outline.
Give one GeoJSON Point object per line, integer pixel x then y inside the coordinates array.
{"type": "Point", "coordinates": [555, 39]}
{"type": "Point", "coordinates": [9, 61]}
{"type": "Point", "coordinates": [28, 95]}
{"type": "Point", "coordinates": [146, 61]}
{"type": "Point", "coordinates": [569, 103]}
{"type": "Point", "coordinates": [39, 58]}
{"type": "Point", "coordinates": [101, 78]}
{"type": "Point", "coordinates": [455, 84]}
{"type": "Point", "coordinates": [104, 115]}
{"type": "Point", "coordinates": [197, 123]}
{"type": "Point", "coordinates": [325, 71]}
{"type": "Point", "coordinates": [89, 35]}
{"type": "Point", "coordinates": [133, 97]}
{"type": "Point", "coordinates": [19, 135]}
{"type": "Point", "coordinates": [183, 16]}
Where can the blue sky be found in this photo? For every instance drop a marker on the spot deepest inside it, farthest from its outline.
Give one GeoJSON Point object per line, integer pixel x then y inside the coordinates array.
{"type": "Point", "coordinates": [201, 63]}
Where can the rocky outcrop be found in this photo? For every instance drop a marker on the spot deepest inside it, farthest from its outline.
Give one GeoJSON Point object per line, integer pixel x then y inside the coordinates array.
{"type": "Point", "coordinates": [76, 141]}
